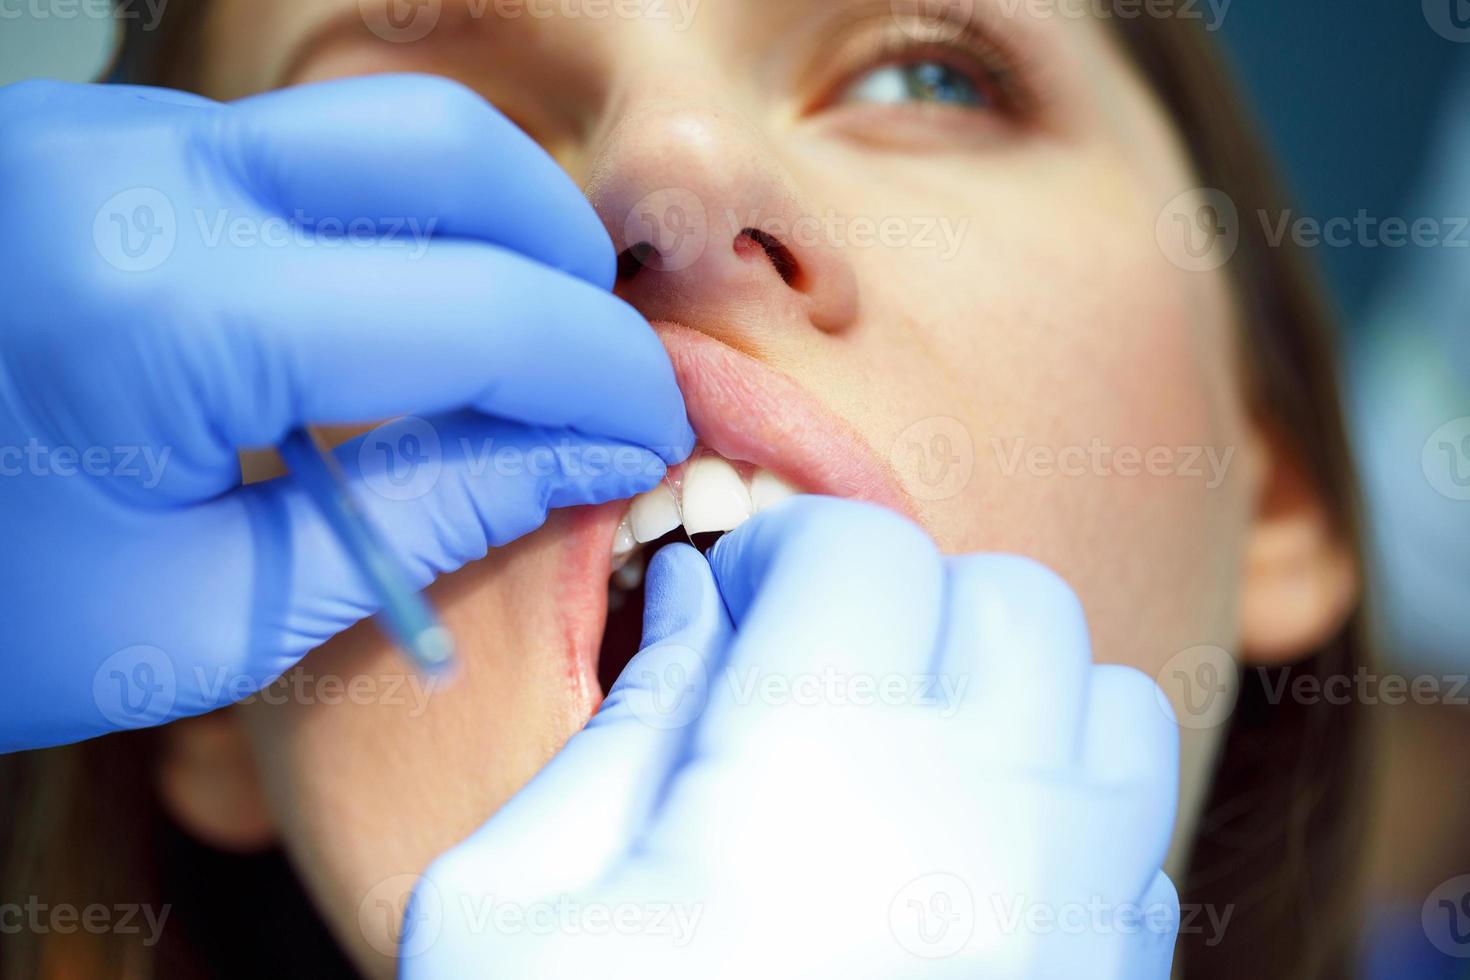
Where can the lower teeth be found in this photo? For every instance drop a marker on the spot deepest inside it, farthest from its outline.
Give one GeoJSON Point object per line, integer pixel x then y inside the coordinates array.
{"type": "Point", "coordinates": [629, 575]}
{"type": "Point", "coordinates": [630, 567]}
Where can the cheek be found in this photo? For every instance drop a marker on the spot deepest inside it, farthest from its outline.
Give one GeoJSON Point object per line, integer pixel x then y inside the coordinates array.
{"type": "Point", "coordinates": [1057, 388]}
{"type": "Point", "coordinates": [368, 787]}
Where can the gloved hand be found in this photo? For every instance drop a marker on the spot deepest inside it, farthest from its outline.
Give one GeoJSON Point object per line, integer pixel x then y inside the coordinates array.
{"type": "Point", "coordinates": [185, 278]}
{"type": "Point", "coordinates": [882, 763]}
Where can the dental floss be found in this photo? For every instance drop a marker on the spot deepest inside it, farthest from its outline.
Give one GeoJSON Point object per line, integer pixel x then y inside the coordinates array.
{"type": "Point", "coordinates": [679, 506]}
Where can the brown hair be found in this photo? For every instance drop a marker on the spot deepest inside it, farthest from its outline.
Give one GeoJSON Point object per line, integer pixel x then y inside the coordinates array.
{"type": "Point", "coordinates": [1281, 835]}
{"type": "Point", "coordinates": [1282, 829]}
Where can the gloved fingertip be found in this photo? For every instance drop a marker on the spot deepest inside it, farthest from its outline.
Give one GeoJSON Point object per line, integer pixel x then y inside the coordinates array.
{"type": "Point", "coordinates": [680, 445]}
{"type": "Point", "coordinates": [738, 560]}
{"type": "Point", "coordinates": [679, 593]}
{"type": "Point", "coordinates": [620, 472]}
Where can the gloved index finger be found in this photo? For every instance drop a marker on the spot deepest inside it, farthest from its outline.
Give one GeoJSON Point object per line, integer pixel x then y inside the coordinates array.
{"type": "Point", "coordinates": [1020, 630]}
{"type": "Point", "coordinates": [376, 333]}
{"type": "Point", "coordinates": [832, 600]}
{"type": "Point", "coordinates": [422, 152]}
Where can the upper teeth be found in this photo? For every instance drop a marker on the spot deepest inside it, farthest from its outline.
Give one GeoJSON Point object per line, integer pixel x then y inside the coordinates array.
{"type": "Point", "coordinates": [713, 497]}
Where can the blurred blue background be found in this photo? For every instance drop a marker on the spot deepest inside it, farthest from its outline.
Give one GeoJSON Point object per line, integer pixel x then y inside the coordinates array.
{"type": "Point", "coordinates": [1349, 94]}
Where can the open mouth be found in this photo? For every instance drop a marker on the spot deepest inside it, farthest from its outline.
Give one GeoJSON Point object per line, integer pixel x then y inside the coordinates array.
{"type": "Point", "coordinates": [698, 502]}
{"type": "Point", "coordinates": [762, 438]}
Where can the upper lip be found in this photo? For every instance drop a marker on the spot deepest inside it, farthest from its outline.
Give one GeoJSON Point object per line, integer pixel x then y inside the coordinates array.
{"type": "Point", "coordinates": [748, 412]}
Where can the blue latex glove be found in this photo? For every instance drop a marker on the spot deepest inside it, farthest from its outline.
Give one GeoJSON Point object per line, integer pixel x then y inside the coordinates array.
{"type": "Point", "coordinates": [750, 802]}
{"type": "Point", "coordinates": [162, 310]}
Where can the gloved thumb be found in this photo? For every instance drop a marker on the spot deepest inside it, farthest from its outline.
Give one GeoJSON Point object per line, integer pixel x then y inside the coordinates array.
{"type": "Point", "coordinates": [583, 811]}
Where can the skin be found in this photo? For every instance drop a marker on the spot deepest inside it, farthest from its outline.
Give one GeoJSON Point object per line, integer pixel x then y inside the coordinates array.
{"type": "Point", "coordinates": [1058, 319]}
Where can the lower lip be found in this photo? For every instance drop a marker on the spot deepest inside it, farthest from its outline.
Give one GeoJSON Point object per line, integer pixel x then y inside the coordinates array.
{"type": "Point", "coordinates": [586, 564]}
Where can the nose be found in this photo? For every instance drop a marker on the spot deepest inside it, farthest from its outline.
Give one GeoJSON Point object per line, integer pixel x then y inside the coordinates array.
{"type": "Point", "coordinates": [710, 230]}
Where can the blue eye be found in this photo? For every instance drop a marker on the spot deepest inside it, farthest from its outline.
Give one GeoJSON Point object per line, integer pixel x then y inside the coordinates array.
{"type": "Point", "coordinates": [930, 82]}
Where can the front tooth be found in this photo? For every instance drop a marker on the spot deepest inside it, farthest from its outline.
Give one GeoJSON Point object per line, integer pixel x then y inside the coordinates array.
{"type": "Point", "coordinates": [715, 498]}
{"type": "Point", "coordinates": [653, 514]}
{"type": "Point", "coordinates": [768, 489]}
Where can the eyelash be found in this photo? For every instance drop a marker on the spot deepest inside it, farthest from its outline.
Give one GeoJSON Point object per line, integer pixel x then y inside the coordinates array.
{"type": "Point", "coordinates": [982, 66]}
{"type": "Point", "coordinates": [992, 64]}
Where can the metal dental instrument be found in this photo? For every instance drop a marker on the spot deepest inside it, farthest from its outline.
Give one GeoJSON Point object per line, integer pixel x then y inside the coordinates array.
{"type": "Point", "coordinates": [404, 614]}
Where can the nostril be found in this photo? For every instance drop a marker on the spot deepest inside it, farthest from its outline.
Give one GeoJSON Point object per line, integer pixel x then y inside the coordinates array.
{"type": "Point", "coordinates": [633, 260]}
{"type": "Point", "coordinates": [781, 257]}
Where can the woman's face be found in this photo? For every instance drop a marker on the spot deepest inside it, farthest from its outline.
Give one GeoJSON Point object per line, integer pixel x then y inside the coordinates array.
{"type": "Point", "coordinates": [960, 265]}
